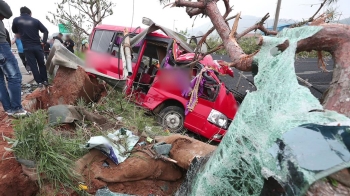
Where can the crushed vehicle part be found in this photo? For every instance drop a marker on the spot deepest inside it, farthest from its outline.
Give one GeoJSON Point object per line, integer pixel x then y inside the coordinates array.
{"type": "Point", "coordinates": [61, 56]}
{"type": "Point", "coordinates": [242, 164]}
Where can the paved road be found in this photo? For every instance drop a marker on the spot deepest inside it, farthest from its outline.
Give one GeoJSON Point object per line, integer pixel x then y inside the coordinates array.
{"type": "Point", "coordinates": [26, 78]}
{"type": "Point", "coordinates": [307, 69]}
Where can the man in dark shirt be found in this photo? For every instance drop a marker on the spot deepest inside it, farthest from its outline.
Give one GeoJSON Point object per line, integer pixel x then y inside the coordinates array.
{"type": "Point", "coordinates": [10, 94]}
{"type": "Point", "coordinates": [69, 43]}
{"type": "Point", "coordinates": [59, 37]}
{"type": "Point", "coordinates": [29, 28]}
{"type": "Point", "coordinates": [47, 48]}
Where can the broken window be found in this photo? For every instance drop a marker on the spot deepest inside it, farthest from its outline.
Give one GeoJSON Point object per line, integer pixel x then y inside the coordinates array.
{"type": "Point", "coordinates": [102, 40]}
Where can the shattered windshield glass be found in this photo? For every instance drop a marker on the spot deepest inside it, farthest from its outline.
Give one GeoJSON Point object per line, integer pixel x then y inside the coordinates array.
{"type": "Point", "coordinates": [250, 153]}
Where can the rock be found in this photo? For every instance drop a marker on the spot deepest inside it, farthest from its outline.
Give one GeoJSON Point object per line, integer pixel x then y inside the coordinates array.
{"type": "Point", "coordinates": [68, 87]}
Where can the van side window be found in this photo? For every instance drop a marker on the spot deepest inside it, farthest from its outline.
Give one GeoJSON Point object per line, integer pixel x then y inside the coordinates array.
{"type": "Point", "coordinates": [101, 41]}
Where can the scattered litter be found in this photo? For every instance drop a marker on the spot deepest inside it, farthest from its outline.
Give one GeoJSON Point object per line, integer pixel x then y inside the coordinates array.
{"type": "Point", "coordinates": [105, 164]}
{"type": "Point", "coordinates": [116, 146]}
{"type": "Point", "coordinates": [60, 114]}
{"type": "Point", "coordinates": [83, 187]}
{"type": "Point", "coordinates": [162, 148]}
{"type": "Point", "coordinates": [142, 143]}
{"type": "Point", "coordinates": [107, 192]}
{"type": "Point", "coordinates": [120, 119]}
{"type": "Point", "coordinates": [149, 140]}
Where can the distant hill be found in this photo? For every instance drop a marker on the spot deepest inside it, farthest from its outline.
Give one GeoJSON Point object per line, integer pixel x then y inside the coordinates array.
{"type": "Point", "coordinates": [345, 21]}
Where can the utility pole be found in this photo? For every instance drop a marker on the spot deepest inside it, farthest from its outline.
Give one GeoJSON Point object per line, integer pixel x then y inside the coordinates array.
{"type": "Point", "coordinates": [277, 15]}
{"type": "Point", "coordinates": [99, 11]}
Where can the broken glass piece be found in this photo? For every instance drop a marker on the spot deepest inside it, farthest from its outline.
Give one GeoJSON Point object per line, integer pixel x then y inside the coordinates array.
{"type": "Point", "coordinates": [279, 105]}
{"type": "Point", "coordinates": [308, 142]}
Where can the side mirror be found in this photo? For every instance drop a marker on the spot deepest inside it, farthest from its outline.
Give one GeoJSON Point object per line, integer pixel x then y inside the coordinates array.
{"type": "Point", "coordinates": [147, 21]}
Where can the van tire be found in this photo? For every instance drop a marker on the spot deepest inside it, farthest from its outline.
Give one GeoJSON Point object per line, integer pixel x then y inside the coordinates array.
{"type": "Point", "coordinates": [172, 118]}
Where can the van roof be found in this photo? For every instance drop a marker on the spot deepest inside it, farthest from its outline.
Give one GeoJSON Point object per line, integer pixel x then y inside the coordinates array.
{"type": "Point", "coordinates": [121, 28]}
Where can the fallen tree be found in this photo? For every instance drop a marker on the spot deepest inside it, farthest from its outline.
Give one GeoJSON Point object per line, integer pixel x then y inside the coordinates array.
{"type": "Point", "coordinates": [333, 38]}
{"type": "Point", "coordinates": [241, 165]}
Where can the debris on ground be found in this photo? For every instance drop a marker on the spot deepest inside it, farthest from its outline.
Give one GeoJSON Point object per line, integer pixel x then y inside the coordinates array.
{"type": "Point", "coordinates": [68, 87]}
{"type": "Point", "coordinates": [116, 145]}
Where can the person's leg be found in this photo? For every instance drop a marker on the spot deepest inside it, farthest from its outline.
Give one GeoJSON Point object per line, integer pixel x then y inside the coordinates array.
{"type": "Point", "coordinates": [4, 95]}
{"type": "Point", "coordinates": [31, 61]}
{"type": "Point", "coordinates": [23, 58]}
{"type": "Point", "coordinates": [11, 70]}
{"type": "Point", "coordinates": [39, 55]}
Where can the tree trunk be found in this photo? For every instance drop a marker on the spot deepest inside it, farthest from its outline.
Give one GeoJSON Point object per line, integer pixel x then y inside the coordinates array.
{"type": "Point", "coordinates": [334, 38]}
{"type": "Point", "coordinates": [239, 59]}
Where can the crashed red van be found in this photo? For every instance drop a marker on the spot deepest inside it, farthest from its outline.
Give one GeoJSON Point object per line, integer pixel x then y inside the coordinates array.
{"type": "Point", "coordinates": [160, 80]}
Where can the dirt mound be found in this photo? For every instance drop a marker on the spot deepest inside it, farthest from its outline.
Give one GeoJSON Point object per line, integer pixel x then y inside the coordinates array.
{"type": "Point", "coordinates": [68, 87]}
{"type": "Point", "coordinates": [99, 171]}
{"type": "Point", "coordinates": [12, 180]}
{"type": "Point", "coordinates": [184, 149]}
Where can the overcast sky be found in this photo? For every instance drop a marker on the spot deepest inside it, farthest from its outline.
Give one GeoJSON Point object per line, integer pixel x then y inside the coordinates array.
{"type": "Point", "coordinates": [176, 17]}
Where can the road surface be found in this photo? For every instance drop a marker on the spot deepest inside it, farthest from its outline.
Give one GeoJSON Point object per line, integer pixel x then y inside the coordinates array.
{"type": "Point", "coordinates": [307, 69]}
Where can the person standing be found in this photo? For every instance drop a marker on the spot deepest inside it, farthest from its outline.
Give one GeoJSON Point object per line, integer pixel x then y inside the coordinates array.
{"type": "Point", "coordinates": [10, 95]}
{"type": "Point", "coordinates": [69, 43]}
{"type": "Point", "coordinates": [59, 37]}
{"type": "Point", "coordinates": [19, 45]}
{"type": "Point", "coordinates": [47, 48]}
{"type": "Point", "coordinates": [29, 28]}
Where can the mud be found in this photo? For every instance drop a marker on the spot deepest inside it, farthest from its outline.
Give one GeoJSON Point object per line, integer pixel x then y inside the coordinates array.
{"type": "Point", "coordinates": [67, 88]}
{"type": "Point", "coordinates": [12, 180]}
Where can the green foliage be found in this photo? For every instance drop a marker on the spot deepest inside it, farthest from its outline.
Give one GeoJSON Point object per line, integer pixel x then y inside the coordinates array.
{"type": "Point", "coordinates": [52, 153]}
{"type": "Point", "coordinates": [249, 45]}
{"type": "Point", "coordinates": [135, 118]}
{"type": "Point", "coordinates": [81, 14]}
{"type": "Point", "coordinates": [80, 54]}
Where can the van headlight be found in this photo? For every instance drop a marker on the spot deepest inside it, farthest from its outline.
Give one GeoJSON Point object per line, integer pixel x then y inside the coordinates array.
{"type": "Point", "coordinates": [218, 119]}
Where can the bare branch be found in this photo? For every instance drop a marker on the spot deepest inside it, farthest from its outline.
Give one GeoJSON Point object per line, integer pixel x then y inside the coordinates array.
{"type": "Point", "coordinates": [311, 18]}
{"type": "Point", "coordinates": [184, 3]}
{"type": "Point", "coordinates": [260, 26]}
{"type": "Point", "coordinates": [235, 26]}
{"type": "Point", "coordinates": [194, 11]}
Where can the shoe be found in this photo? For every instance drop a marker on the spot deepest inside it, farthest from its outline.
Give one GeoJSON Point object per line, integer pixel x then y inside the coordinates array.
{"type": "Point", "coordinates": [40, 85]}
{"type": "Point", "coordinates": [29, 73]}
{"type": "Point", "coordinates": [9, 112]}
{"type": "Point", "coordinates": [21, 113]}
{"type": "Point", "coordinates": [45, 83]}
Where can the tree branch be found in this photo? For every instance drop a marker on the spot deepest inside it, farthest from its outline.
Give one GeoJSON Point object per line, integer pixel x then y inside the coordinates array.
{"type": "Point", "coordinates": [311, 18]}
{"type": "Point", "coordinates": [260, 26]}
{"type": "Point", "coordinates": [235, 26]}
{"type": "Point", "coordinates": [184, 3]}
{"type": "Point", "coordinates": [194, 11]}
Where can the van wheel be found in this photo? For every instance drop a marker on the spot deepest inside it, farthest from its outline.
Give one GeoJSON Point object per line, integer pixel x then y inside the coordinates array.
{"type": "Point", "coordinates": [172, 118]}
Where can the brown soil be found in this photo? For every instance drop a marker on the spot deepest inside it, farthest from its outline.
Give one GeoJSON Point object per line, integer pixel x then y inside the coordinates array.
{"type": "Point", "coordinates": [138, 175]}
{"type": "Point", "coordinates": [12, 180]}
{"type": "Point", "coordinates": [184, 149]}
{"type": "Point", "coordinates": [68, 87]}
